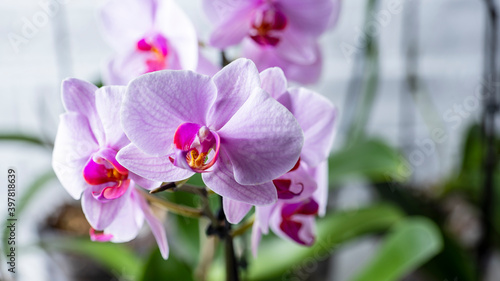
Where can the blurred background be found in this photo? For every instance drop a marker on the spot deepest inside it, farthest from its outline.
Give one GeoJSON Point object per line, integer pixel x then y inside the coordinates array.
{"type": "Point", "coordinates": [412, 195]}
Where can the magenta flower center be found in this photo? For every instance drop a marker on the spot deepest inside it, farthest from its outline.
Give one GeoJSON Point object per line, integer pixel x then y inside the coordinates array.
{"type": "Point", "coordinates": [292, 226]}
{"type": "Point", "coordinates": [106, 174]}
{"type": "Point", "coordinates": [157, 46]}
{"type": "Point", "coordinates": [196, 147]}
{"type": "Point", "coordinates": [267, 26]}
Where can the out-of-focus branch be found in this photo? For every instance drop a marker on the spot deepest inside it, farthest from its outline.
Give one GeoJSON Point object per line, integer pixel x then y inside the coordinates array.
{"type": "Point", "coordinates": [172, 207]}
{"type": "Point", "coordinates": [244, 227]}
{"type": "Point", "coordinates": [490, 108]}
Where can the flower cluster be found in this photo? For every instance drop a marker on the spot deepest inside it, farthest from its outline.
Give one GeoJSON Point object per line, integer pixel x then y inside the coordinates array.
{"type": "Point", "coordinates": [254, 141]}
{"type": "Point", "coordinates": [302, 191]}
{"type": "Point", "coordinates": [282, 33]}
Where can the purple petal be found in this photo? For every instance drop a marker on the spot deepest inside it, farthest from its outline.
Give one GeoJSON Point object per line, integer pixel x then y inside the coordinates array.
{"type": "Point", "coordinates": [320, 173]}
{"type": "Point", "coordinates": [112, 192]}
{"type": "Point", "coordinates": [79, 96]}
{"type": "Point", "coordinates": [273, 81]}
{"type": "Point", "coordinates": [128, 221]}
{"type": "Point", "coordinates": [255, 239]}
{"type": "Point", "coordinates": [205, 66]}
{"type": "Point", "coordinates": [235, 211]}
{"type": "Point", "coordinates": [271, 57]}
{"type": "Point", "coordinates": [316, 116]}
{"type": "Point", "coordinates": [306, 207]}
{"type": "Point", "coordinates": [108, 103]}
{"type": "Point", "coordinates": [309, 17]}
{"type": "Point", "coordinates": [303, 177]}
{"type": "Point", "coordinates": [100, 215]}
{"type": "Point", "coordinates": [234, 23]}
{"type": "Point", "coordinates": [155, 225]}
{"type": "Point", "coordinates": [222, 182]}
{"type": "Point", "coordinates": [157, 103]}
{"type": "Point", "coordinates": [73, 147]}
{"type": "Point", "coordinates": [263, 215]}
{"type": "Point", "coordinates": [125, 66]}
{"type": "Point", "coordinates": [335, 13]}
{"type": "Point", "coordinates": [143, 182]}
{"type": "Point", "coordinates": [125, 22]}
{"type": "Point", "coordinates": [174, 24]}
{"type": "Point", "coordinates": [150, 167]}
{"type": "Point", "coordinates": [260, 225]}
{"type": "Point", "coordinates": [235, 83]}
{"type": "Point", "coordinates": [296, 48]}
{"type": "Point", "coordinates": [109, 155]}
{"type": "Point", "coordinates": [299, 229]}
{"type": "Point", "coordinates": [301, 185]}
{"type": "Point", "coordinates": [260, 133]}
{"type": "Point", "coordinates": [217, 10]}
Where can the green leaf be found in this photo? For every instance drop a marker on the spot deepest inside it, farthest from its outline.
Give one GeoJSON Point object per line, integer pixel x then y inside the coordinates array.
{"type": "Point", "coordinates": [412, 243]}
{"type": "Point", "coordinates": [369, 158]}
{"type": "Point", "coordinates": [17, 137]}
{"type": "Point", "coordinates": [277, 257]}
{"type": "Point", "coordinates": [28, 194]}
{"type": "Point", "coordinates": [470, 179]}
{"type": "Point", "coordinates": [196, 180]}
{"type": "Point", "coordinates": [454, 260]}
{"type": "Point", "coordinates": [186, 232]}
{"type": "Point", "coordinates": [156, 268]}
{"type": "Point", "coordinates": [116, 257]}
{"type": "Point", "coordinates": [33, 189]}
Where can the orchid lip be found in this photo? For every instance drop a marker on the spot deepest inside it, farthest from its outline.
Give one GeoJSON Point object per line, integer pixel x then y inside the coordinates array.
{"type": "Point", "coordinates": [111, 192]}
{"type": "Point", "coordinates": [103, 169]}
{"type": "Point", "coordinates": [290, 226]}
{"type": "Point", "coordinates": [306, 207]}
{"type": "Point", "coordinates": [283, 188]}
{"type": "Point", "coordinates": [267, 26]}
{"type": "Point", "coordinates": [156, 45]}
{"type": "Point", "coordinates": [196, 147]}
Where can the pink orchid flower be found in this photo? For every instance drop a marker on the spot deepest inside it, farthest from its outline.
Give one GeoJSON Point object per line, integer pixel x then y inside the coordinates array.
{"type": "Point", "coordinates": [280, 33]}
{"type": "Point", "coordinates": [303, 191]}
{"type": "Point", "coordinates": [294, 219]}
{"type": "Point", "coordinates": [227, 128]}
{"type": "Point", "coordinates": [84, 160]}
{"type": "Point", "coordinates": [149, 35]}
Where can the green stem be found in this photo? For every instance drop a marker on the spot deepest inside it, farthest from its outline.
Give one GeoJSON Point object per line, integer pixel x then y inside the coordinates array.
{"type": "Point", "coordinates": [172, 207]}
{"type": "Point", "coordinates": [244, 227]}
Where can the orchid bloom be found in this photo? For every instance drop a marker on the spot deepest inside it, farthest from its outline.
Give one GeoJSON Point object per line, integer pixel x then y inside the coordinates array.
{"type": "Point", "coordinates": [302, 192]}
{"type": "Point", "coordinates": [227, 128]}
{"type": "Point", "coordinates": [149, 35]}
{"type": "Point", "coordinates": [84, 160]}
{"type": "Point", "coordinates": [280, 33]}
{"type": "Point", "coordinates": [294, 219]}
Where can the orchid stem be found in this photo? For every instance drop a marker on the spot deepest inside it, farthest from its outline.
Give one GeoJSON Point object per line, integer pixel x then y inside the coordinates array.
{"type": "Point", "coordinates": [172, 207]}
{"type": "Point", "coordinates": [244, 227]}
